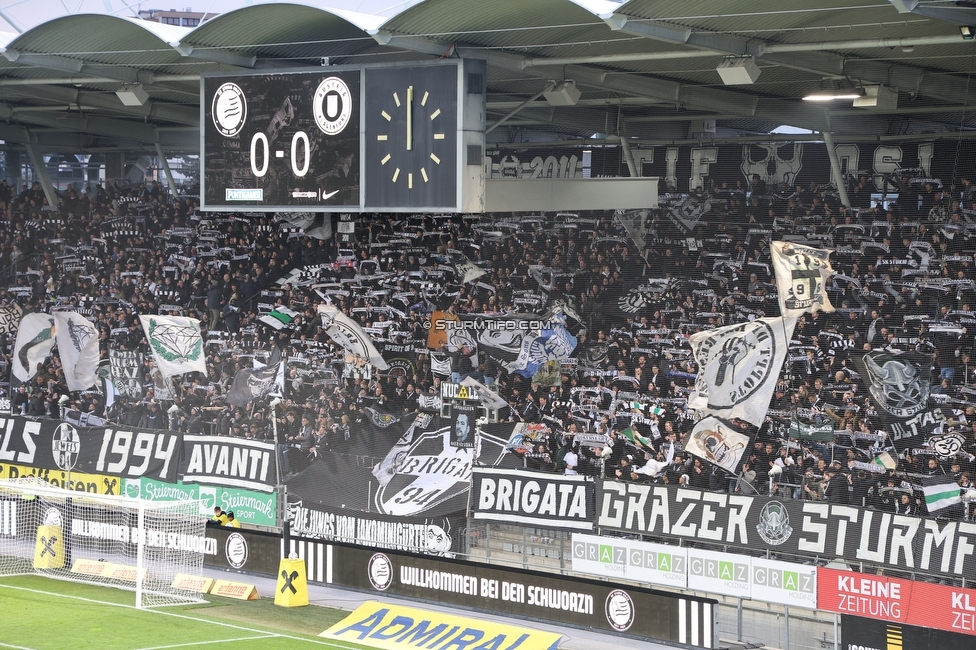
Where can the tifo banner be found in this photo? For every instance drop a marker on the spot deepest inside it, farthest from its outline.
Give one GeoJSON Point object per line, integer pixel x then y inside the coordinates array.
{"type": "Point", "coordinates": [433, 535]}
{"type": "Point", "coordinates": [76, 481]}
{"type": "Point", "coordinates": [858, 633]}
{"type": "Point", "coordinates": [789, 527]}
{"type": "Point", "coordinates": [533, 498]}
{"type": "Point", "coordinates": [125, 452]}
{"type": "Point", "coordinates": [618, 558]}
{"type": "Point", "coordinates": [392, 627]}
{"type": "Point", "coordinates": [412, 470]}
{"type": "Point", "coordinates": [224, 461]}
{"type": "Point", "coordinates": [248, 506]}
{"type": "Point", "coordinates": [505, 591]}
{"type": "Point", "coordinates": [126, 372]}
{"type": "Point", "coordinates": [940, 607]}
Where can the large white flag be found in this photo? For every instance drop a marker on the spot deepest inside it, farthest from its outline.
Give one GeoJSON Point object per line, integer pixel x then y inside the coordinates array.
{"type": "Point", "coordinates": [78, 347]}
{"type": "Point", "coordinates": [801, 277]}
{"type": "Point", "coordinates": [348, 334]}
{"type": "Point", "coordinates": [35, 340]}
{"type": "Point", "coordinates": [738, 366]}
{"type": "Point", "coordinates": [176, 344]}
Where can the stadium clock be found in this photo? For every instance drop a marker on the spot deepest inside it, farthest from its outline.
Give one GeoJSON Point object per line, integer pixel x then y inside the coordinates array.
{"type": "Point", "coordinates": [411, 137]}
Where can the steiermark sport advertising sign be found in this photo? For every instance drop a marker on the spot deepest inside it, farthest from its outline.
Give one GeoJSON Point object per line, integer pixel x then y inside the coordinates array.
{"type": "Point", "coordinates": [249, 507]}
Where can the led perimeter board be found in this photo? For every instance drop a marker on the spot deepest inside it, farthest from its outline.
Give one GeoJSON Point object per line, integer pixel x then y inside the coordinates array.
{"type": "Point", "coordinates": [407, 137]}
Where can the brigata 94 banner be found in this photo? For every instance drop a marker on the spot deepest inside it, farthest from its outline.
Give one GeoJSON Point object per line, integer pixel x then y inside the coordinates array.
{"type": "Point", "coordinates": [882, 598]}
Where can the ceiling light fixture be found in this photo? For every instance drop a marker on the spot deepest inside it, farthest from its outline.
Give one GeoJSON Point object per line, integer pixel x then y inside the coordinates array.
{"type": "Point", "coordinates": [968, 32]}
{"type": "Point", "coordinates": [564, 93]}
{"type": "Point", "coordinates": [831, 96]}
{"type": "Point", "coordinates": [738, 71]}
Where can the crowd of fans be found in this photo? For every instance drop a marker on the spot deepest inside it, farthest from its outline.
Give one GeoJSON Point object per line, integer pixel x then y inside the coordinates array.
{"type": "Point", "coordinates": [905, 281]}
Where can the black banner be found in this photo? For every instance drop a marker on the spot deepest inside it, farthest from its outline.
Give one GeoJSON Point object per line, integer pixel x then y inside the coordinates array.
{"type": "Point", "coordinates": [858, 633]}
{"type": "Point", "coordinates": [790, 527]}
{"type": "Point", "coordinates": [247, 551]}
{"type": "Point", "coordinates": [463, 416]}
{"type": "Point", "coordinates": [125, 452]}
{"type": "Point", "coordinates": [229, 462]}
{"type": "Point", "coordinates": [534, 498]}
{"type": "Point", "coordinates": [518, 593]}
{"type": "Point", "coordinates": [433, 535]}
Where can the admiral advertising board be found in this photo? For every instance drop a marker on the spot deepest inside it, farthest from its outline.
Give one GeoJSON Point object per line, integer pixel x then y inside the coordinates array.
{"type": "Point", "coordinates": [789, 526]}
{"type": "Point", "coordinates": [519, 593]}
{"type": "Point", "coordinates": [535, 498]}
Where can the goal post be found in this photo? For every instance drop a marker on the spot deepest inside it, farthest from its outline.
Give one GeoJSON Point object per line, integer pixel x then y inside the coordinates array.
{"type": "Point", "coordinates": [131, 544]}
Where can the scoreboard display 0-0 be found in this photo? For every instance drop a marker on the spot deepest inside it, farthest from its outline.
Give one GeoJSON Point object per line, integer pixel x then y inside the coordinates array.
{"type": "Point", "coordinates": [345, 139]}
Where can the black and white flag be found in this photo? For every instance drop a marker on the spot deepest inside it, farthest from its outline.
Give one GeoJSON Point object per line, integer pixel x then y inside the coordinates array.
{"type": "Point", "coordinates": [254, 383]}
{"type": "Point", "coordinates": [801, 277]}
{"type": "Point", "coordinates": [738, 367]}
{"type": "Point", "coordinates": [126, 372]}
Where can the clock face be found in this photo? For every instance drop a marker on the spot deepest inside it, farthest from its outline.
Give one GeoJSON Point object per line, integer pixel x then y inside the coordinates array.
{"type": "Point", "coordinates": [411, 137]}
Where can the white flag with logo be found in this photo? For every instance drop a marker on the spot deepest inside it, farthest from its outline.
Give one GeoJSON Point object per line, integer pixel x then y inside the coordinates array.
{"type": "Point", "coordinates": [738, 366]}
{"type": "Point", "coordinates": [801, 277]}
{"type": "Point", "coordinates": [35, 340]}
{"type": "Point", "coordinates": [348, 334]}
{"type": "Point", "coordinates": [78, 348]}
{"type": "Point", "coordinates": [176, 344]}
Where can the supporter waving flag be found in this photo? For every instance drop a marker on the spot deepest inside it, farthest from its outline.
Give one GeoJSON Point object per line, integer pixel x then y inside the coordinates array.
{"type": "Point", "coordinates": [176, 344]}
{"type": "Point", "coordinates": [348, 334]}
{"type": "Point", "coordinates": [739, 366]}
{"type": "Point", "coordinates": [35, 340]}
{"type": "Point", "coordinates": [78, 347]}
{"type": "Point", "coordinates": [801, 278]}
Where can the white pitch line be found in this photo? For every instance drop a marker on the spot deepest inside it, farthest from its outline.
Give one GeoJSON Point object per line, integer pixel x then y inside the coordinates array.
{"type": "Point", "coordinates": [15, 647]}
{"type": "Point", "coordinates": [186, 645]}
{"type": "Point", "coordinates": [207, 621]}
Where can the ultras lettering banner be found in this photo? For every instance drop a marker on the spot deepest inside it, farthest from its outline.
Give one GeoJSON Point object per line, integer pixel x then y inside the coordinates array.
{"type": "Point", "coordinates": [533, 498]}
{"type": "Point", "coordinates": [117, 451]}
{"type": "Point", "coordinates": [790, 527]}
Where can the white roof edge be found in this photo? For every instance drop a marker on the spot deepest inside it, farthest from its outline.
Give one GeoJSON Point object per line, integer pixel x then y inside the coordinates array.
{"type": "Point", "coordinates": [599, 7]}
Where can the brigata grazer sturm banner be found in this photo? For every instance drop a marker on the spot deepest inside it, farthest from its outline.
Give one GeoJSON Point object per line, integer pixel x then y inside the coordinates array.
{"type": "Point", "coordinates": [789, 526]}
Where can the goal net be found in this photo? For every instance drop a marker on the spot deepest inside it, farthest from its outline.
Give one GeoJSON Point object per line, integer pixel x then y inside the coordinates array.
{"type": "Point", "coordinates": [120, 542]}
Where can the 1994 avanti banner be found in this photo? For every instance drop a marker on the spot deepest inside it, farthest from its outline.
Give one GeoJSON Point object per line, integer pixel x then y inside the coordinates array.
{"type": "Point", "coordinates": [130, 453]}
{"type": "Point", "coordinates": [790, 527]}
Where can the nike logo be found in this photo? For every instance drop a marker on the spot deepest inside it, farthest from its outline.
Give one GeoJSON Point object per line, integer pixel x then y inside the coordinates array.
{"type": "Point", "coordinates": [330, 195]}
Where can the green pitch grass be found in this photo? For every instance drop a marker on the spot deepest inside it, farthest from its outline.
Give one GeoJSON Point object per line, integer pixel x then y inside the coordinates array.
{"type": "Point", "coordinates": [38, 613]}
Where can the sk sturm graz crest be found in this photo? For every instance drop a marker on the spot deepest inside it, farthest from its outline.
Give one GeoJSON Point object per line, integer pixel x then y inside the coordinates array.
{"type": "Point", "coordinates": [65, 446]}
{"type": "Point", "coordinates": [774, 523]}
{"type": "Point", "coordinates": [898, 384]}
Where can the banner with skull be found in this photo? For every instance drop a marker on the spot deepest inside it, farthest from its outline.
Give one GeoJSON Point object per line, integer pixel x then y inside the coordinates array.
{"type": "Point", "coordinates": [801, 277]}
{"type": "Point", "coordinates": [899, 386]}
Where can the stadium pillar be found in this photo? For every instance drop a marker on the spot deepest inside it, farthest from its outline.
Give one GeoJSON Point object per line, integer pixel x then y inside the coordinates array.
{"type": "Point", "coordinates": [835, 168]}
{"type": "Point", "coordinates": [37, 161]}
{"type": "Point", "coordinates": [166, 170]}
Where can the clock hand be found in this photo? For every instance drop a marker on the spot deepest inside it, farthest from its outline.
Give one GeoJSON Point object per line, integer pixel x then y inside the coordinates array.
{"type": "Point", "coordinates": [409, 118]}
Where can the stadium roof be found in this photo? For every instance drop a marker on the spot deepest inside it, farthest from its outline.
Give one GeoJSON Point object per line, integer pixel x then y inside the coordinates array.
{"type": "Point", "coordinates": [647, 69]}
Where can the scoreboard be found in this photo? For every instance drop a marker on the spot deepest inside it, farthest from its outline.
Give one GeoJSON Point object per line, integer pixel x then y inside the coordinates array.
{"type": "Point", "coordinates": [345, 139]}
